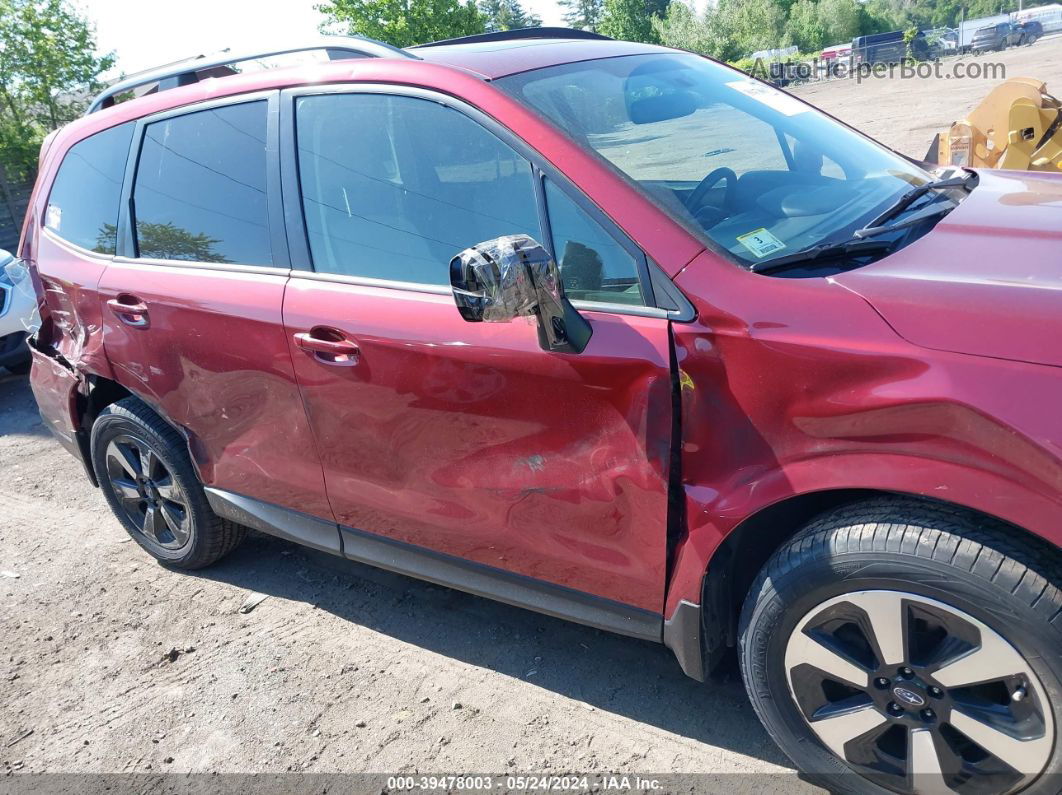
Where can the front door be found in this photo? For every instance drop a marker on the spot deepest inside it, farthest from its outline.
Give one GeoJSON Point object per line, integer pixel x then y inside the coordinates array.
{"type": "Point", "coordinates": [466, 438]}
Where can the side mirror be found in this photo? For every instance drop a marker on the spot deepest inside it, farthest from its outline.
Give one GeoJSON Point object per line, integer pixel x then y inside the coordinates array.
{"type": "Point", "coordinates": [509, 277]}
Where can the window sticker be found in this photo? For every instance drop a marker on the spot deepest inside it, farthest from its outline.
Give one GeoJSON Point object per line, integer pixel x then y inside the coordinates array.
{"type": "Point", "coordinates": [761, 242]}
{"type": "Point", "coordinates": [771, 97]}
{"type": "Point", "coordinates": [53, 219]}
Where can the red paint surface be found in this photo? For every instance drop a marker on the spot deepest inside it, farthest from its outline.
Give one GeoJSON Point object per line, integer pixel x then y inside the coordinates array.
{"type": "Point", "coordinates": [214, 361]}
{"type": "Point", "coordinates": [469, 439]}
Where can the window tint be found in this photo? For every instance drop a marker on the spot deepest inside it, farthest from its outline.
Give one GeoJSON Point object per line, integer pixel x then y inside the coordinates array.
{"type": "Point", "coordinates": [200, 191]}
{"type": "Point", "coordinates": [594, 267]}
{"type": "Point", "coordinates": [393, 187]}
{"type": "Point", "coordinates": [83, 204]}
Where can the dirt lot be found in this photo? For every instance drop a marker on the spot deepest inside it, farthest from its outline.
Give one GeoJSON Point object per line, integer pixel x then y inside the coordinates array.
{"type": "Point", "coordinates": [906, 113]}
{"type": "Point", "coordinates": [112, 664]}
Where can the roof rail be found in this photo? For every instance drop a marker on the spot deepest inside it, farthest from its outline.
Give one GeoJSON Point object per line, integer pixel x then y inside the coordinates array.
{"type": "Point", "coordinates": [520, 33]}
{"type": "Point", "coordinates": [187, 72]}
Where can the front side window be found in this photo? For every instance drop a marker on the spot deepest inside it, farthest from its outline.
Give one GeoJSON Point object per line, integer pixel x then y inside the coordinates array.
{"type": "Point", "coordinates": [594, 267]}
{"type": "Point", "coordinates": [200, 189]}
{"type": "Point", "coordinates": [393, 187]}
{"type": "Point", "coordinates": [83, 204]}
{"type": "Point", "coordinates": [752, 169]}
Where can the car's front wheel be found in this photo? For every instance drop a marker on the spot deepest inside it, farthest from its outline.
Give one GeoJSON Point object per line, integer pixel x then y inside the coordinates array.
{"type": "Point", "coordinates": [143, 468]}
{"type": "Point", "coordinates": [904, 646]}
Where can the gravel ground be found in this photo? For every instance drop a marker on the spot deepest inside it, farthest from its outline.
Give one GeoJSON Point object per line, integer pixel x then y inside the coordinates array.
{"type": "Point", "coordinates": [113, 664]}
{"type": "Point", "coordinates": [906, 113]}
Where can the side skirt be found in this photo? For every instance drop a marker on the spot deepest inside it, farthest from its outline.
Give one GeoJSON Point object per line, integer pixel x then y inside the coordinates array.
{"type": "Point", "coordinates": [427, 564]}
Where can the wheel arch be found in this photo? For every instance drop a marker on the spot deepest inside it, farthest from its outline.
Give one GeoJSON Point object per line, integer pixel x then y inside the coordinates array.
{"type": "Point", "coordinates": [734, 564]}
{"type": "Point", "coordinates": [103, 392]}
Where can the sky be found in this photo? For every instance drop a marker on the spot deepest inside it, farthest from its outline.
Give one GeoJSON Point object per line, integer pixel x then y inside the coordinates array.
{"type": "Point", "coordinates": [147, 33]}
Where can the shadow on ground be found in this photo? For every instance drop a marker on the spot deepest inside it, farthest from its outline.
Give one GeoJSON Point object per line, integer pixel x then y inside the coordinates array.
{"type": "Point", "coordinates": [636, 679]}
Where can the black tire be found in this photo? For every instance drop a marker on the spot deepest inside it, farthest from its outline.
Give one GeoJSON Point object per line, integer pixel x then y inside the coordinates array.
{"type": "Point", "coordinates": [931, 553]}
{"type": "Point", "coordinates": [187, 534]}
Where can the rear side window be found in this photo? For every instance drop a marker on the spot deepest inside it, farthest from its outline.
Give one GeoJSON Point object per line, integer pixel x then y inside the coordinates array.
{"type": "Point", "coordinates": [200, 189]}
{"type": "Point", "coordinates": [83, 205]}
{"type": "Point", "coordinates": [393, 187]}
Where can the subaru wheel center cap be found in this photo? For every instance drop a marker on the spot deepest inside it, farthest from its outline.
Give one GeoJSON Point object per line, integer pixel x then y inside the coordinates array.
{"type": "Point", "coordinates": [908, 697]}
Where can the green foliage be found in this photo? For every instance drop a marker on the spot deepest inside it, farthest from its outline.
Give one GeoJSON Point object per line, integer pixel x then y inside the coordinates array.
{"type": "Point", "coordinates": [583, 14]}
{"type": "Point", "coordinates": [507, 15]}
{"type": "Point", "coordinates": [48, 69]}
{"type": "Point", "coordinates": [732, 29]}
{"type": "Point", "coordinates": [163, 241]}
{"type": "Point", "coordinates": [633, 20]}
{"type": "Point", "coordinates": [805, 27]}
{"type": "Point", "coordinates": [404, 22]}
{"type": "Point", "coordinates": [681, 27]}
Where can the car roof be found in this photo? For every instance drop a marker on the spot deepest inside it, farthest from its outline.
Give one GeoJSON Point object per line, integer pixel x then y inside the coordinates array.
{"type": "Point", "coordinates": [494, 59]}
{"type": "Point", "coordinates": [442, 64]}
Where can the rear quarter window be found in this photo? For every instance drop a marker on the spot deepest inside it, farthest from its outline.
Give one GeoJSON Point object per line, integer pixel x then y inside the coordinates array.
{"type": "Point", "coordinates": [83, 203]}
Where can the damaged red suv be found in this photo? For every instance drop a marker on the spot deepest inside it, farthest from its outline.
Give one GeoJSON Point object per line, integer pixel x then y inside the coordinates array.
{"type": "Point", "coordinates": [600, 329]}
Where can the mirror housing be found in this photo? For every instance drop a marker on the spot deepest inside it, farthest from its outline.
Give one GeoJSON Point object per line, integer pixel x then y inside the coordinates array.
{"type": "Point", "coordinates": [500, 280]}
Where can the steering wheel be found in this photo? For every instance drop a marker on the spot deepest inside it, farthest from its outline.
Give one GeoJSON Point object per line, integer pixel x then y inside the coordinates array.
{"type": "Point", "coordinates": [700, 193]}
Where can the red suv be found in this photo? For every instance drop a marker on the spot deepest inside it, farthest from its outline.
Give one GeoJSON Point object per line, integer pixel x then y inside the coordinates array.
{"type": "Point", "coordinates": [770, 385]}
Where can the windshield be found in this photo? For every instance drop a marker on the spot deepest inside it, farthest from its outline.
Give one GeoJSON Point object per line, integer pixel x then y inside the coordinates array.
{"type": "Point", "coordinates": [756, 171]}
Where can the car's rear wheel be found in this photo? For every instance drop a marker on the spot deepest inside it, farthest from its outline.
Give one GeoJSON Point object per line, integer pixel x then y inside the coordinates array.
{"type": "Point", "coordinates": [143, 468]}
{"type": "Point", "coordinates": [904, 646]}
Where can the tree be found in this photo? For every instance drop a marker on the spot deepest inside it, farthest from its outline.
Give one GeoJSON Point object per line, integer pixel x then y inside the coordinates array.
{"type": "Point", "coordinates": [632, 20]}
{"type": "Point", "coordinates": [805, 27]}
{"type": "Point", "coordinates": [745, 26]}
{"type": "Point", "coordinates": [840, 20]}
{"type": "Point", "coordinates": [163, 241]}
{"type": "Point", "coordinates": [507, 15]}
{"type": "Point", "coordinates": [404, 22]}
{"type": "Point", "coordinates": [583, 14]}
{"type": "Point", "coordinates": [684, 29]}
{"type": "Point", "coordinates": [48, 68]}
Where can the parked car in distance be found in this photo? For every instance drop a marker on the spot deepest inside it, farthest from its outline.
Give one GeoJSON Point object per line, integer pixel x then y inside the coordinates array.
{"type": "Point", "coordinates": [1030, 31]}
{"type": "Point", "coordinates": [776, 392]}
{"type": "Point", "coordinates": [879, 48]}
{"type": "Point", "coordinates": [996, 37]}
{"type": "Point", "coordinates": [16, 305]}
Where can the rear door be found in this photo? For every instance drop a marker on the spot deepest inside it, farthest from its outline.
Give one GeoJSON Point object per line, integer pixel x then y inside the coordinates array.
{"type": "Point", "coordinates": [192, 302]}
{"type": "Point", "coordinates": [463, 438]}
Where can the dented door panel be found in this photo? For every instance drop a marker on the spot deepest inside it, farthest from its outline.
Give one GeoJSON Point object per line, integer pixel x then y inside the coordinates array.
{"type": "Point", "coordinates": [212, 358]}
{"type": "Point", "coordinates": [68, 284]}
{"type": "Point", "coordinates": [468, 439]}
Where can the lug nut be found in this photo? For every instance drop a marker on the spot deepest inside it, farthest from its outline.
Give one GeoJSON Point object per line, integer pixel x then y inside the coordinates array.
{"type": "Point", "coordinates": [936, 692]}
{"type": "Point", "coordinates": [894, 709]}
{"type": "Point", "coordinates": [928, 715]}
{"type": "Point", "coordinates": [881, 683]}
{"type": "Point", "coordinates": [906, 673]}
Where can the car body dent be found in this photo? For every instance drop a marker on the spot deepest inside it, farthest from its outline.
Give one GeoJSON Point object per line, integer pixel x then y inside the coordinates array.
{"type": "Point", "coordinates": [777, 403]}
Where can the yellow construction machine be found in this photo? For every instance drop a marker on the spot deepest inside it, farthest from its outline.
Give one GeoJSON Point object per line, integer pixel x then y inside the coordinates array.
{"type": "Point", "coordinates": [1017, 126]}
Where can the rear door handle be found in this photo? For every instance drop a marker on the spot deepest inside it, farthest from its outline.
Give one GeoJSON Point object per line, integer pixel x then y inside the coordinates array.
{"type": "Point", "coordinates": [328, 345]}
{"type": "Point", "coordinates": [130, 310]}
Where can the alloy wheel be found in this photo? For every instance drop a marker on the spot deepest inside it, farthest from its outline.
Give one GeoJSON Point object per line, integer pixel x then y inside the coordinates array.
{"type": "Point", "coordinates": [917, 695]}
{"type": "Point", "coordinates": [148, 495]}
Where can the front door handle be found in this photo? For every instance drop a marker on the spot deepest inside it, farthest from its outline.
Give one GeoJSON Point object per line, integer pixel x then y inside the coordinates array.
{"type": "Point", "coordinates": [130, 310]}
{"type": "Point", "coordinates": [328, 345]}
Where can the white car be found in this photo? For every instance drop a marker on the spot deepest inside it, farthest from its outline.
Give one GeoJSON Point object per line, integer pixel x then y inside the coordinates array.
{"type": "Point", "coordinates": [16, 309]}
